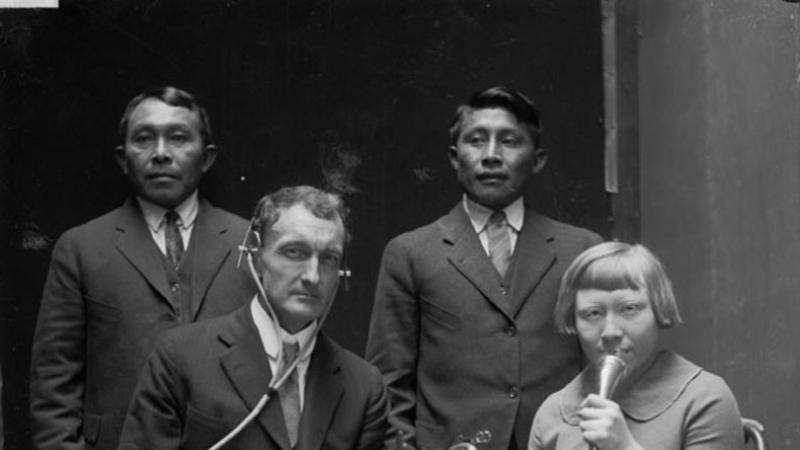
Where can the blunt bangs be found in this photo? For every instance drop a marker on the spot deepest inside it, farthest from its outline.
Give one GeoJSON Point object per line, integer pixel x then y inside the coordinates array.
{"type": "Point", "coordinates": [610, 274]}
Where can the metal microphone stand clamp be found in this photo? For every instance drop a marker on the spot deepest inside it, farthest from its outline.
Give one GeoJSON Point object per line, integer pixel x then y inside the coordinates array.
{"type": "Point", "coordinates": [462, 443]}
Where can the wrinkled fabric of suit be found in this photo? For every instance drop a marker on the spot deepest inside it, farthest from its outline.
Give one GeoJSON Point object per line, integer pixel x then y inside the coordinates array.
{"type": "Point", "coordinates": [105, 301]}
{"type": "Point", "coordinates": [203, 379]}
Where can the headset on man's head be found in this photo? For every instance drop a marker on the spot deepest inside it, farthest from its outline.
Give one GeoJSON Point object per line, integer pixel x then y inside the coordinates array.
{"type": "Point", "coordinates": [251, 244]}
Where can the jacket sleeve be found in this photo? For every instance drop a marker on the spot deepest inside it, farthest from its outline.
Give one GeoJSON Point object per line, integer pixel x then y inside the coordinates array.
{"type": "Point", "coordinates": [154, 417]}
{"type": "Point", "coordinates": [375, 417]}
{"type": "Point", "coordinates": [59, 354]}
{"type": "Point", "coordinates": [394, 336]}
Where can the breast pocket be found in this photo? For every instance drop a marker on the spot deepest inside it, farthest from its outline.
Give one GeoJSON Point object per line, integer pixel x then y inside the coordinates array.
{"type": "Point", "coordinates": [435, 313]}
{"type": "Point", "coordinates": [101, 311]}
{"type": "Point", "coordinates": [202, 430]}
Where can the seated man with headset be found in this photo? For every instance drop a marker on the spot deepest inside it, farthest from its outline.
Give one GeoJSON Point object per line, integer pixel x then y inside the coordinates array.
{"type": "Point", "coordinates": [264, 376]}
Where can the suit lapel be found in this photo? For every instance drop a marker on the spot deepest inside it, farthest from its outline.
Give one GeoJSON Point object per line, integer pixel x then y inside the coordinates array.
{"type": "Point", "coordinates": [210, 252]}
{"type": "Point", "coordinates": [533, 257]}
{"type": "Point", "coordinates": [137, 245]}
{"type": "Point", "coordinates": [469, 258]}
{"type": "Point", "coordinates": [246, 365]}
{"type": "Point", "coordinates": [323, 391]}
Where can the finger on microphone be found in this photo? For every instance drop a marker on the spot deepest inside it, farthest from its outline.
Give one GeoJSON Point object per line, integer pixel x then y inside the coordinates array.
{"type": "Point", "coordinates": [595, 401]}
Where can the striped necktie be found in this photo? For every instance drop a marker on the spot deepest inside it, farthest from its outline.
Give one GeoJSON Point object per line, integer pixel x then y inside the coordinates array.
{"type": "Point", "coordinates": [499, 242]}
{"type": "Point", "coordinates": [289, 393]}
{"type": "Point", "coordinates": [172, 237]}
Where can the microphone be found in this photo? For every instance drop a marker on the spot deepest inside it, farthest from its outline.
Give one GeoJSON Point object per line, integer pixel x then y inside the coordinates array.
{"type": "Point", "coordinates": [611, 370]}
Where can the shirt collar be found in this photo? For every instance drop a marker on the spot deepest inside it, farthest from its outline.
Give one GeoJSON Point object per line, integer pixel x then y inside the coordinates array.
{"type": "Point", "coordinates": [154, 214]}
{"type": "Point", "coordinates": [266, 330]}
{"type": "Point", "coordinates": [479, 214]}
{"type": "Point", "coordinates": [655, 391]}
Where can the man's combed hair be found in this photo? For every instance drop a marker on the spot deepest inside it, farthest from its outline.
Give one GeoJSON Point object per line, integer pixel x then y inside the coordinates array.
{"type": "Point", "coordinates": [321, 204]}
{"type": "Point", "coordinates": [172, 96]}
{"type": "Point", "coordinates": [610, 266]}
{"type": "Point", "coordinates": [500, 97]}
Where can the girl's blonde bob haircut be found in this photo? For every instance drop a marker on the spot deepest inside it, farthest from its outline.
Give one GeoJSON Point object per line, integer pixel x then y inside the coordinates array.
{"type": "Point", "coordinates": [610, 266]}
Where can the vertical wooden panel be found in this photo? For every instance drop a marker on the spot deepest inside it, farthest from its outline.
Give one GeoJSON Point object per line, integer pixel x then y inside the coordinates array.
{"type": "Point", "coordinates": [720, 190]}
{"type": "Point", "coordinates": [624, 38]}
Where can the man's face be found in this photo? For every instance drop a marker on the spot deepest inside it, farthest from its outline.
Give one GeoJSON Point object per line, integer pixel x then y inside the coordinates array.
{"type": "Point", "coordinates": [164, 156]}
{"type": "Point", "coordinates": [618, 322]}
{"type": "Point", "coordinates": [299, 265]}
{"type": "Point", "coordinates": [494, 157]}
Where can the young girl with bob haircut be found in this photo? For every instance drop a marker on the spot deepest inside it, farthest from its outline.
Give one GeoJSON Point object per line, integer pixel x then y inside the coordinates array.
{"type": "Point", "coordinates": [616, 297]}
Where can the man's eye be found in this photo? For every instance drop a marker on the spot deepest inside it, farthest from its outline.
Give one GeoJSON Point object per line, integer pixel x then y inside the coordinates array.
{"type": "Point", "coordinates": [512, 141]}
{"type": "Point", "coordinates": [331, 260]}
{"type": "Point", "coordinates": [475, 139]}
{"type": "Point", "coordinates": [179, 138]}
{"type": "Point", "coordinates": [294, 253]}
{"type": "Point", "coordinates": [142, 139]}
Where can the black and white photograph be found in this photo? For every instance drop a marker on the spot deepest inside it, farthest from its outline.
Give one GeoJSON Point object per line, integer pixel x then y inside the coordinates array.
{"type": "Point", "coordinates": [399, 224]}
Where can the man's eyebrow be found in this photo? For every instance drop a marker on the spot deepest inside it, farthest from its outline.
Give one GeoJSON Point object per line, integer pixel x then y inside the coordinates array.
{"type": "Point", "coordinates": [293, 241]}
{"type": "Point", "coordinates": [471, 130]}
{"type": "Point", "coordinates": [151, 125]}
{"type": "Point", "coordinates": [141, 125]}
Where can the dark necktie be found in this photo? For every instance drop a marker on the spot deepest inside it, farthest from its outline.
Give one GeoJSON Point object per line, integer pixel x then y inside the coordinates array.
{"type": "Point", "coordinates": [289, 393]}
{"type": "Point", "coordinates": [172, 237]}
{"type": "Point", "coordinates": [499, 242]}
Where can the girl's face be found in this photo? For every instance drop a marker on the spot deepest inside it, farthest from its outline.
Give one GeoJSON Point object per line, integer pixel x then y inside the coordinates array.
{"type": "Point", "coordinates": [619, 322]}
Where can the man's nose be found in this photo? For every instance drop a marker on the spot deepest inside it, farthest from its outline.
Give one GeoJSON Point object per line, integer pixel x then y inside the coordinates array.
{"type": "Point", "coordinates": [161, 150]}
{"type": "Point", "coordinates": [311, 271]}
{"type": "Point", "coordinates": [492, 153]}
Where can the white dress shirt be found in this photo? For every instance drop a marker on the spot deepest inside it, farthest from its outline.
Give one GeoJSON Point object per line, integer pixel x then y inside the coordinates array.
{"type": "Point", "coordinates": [266, 330]}
{"type": "Point", "coordinates": [154, 216]}
{"type": "Point", "coordinates": [479, 217]}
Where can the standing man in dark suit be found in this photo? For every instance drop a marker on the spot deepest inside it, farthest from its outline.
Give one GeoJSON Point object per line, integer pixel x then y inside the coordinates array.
{"type": "Point", "coordinates": [164, 258]}
{"type": "Point", "coordinates": [462, 324]}
{"type": "Point", "coordinates": [203, 379]}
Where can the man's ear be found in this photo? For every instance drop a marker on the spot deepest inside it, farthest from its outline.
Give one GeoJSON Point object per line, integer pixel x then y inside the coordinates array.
{"type": "Point", "coordinates": [452, 154]}
{"type": "Point", "coordinates": [119, 156]}
{"type": "Point", "coordinates": [209, 156]}
{"type": "Point", "coordinates": [539, 160]}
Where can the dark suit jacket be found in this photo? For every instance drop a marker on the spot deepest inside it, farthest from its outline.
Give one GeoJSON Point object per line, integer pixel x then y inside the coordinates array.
{"type": "Point", "coordinates": [460, 354]}
{"type": "Point", "coordinates": [204, 378]}
{"type": "Point", "coordinates": [105, 301]}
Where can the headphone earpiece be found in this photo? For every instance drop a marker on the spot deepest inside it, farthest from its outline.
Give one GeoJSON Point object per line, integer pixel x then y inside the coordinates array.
{"type": "Point", "coordinates": [345, 273]}
{"type": "Point", "coordinates": [251, 243]}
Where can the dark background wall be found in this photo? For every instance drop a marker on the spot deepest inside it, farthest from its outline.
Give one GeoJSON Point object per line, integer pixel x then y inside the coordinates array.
{"type": "Point", "coordinates": [352, 94]}
{"type": "Point", "coordinates": [719, 90]}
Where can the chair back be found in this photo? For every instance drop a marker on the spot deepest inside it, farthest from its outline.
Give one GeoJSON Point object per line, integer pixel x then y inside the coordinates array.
{"type": "Point", "coordinates": [754, 433]}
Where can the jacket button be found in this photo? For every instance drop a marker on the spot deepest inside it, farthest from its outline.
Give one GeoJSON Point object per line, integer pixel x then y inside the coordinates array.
{"type": "Point", "coordinates": [513, 392]}
{"type": "Point", "coordinates": [511, 330]}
